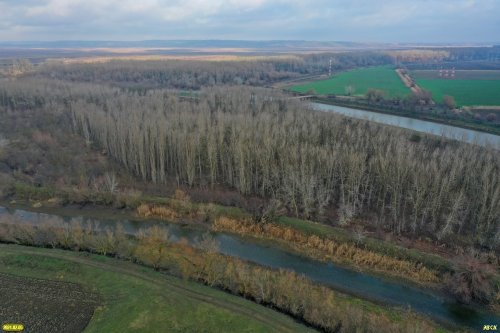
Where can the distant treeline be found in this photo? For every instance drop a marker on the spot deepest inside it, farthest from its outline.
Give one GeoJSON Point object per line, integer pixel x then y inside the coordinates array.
{"type": "Point", "coordinates": [259, 143]}
{"type": "Point", "coordinates": [258, 70]}
{"type": "Point", "coordinates": [475, 54]}
{"type": "Point", "coordinates": [464, 58]}
{"type": "Point", "coordinates": [192, 74]}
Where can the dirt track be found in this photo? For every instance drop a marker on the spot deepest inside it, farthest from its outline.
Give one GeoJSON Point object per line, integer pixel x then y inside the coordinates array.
{"type": "Point", "coordinates": [408, 82]}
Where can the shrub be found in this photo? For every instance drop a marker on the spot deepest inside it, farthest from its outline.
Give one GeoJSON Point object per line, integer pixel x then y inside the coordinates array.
{"type": "Point", "coordinates": [164, 212]}
{"type": "Point", "coordinates": [471, 281]}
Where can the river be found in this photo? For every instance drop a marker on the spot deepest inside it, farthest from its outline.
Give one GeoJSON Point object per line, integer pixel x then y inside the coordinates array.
{"type": "Point", "coordinates": [387, 291]}
{"type": "Point", "coordinates": [450, 132]}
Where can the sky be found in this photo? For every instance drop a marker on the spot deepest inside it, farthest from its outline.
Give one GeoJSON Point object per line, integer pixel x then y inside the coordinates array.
{"type": "Point", "coordinates": [413, 21]}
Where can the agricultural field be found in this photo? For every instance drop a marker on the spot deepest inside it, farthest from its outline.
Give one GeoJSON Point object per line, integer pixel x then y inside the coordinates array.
{"type": "Point", "coordinates": [468, 87]}
{"type": "Point", "coordinates": [46, 287]}
{"type": "Point", "coordinates": [44, 305]}
{"type": "Point", "coordinates": [459, 74]}
{"type": "Point", "coordinates": [361, 80]}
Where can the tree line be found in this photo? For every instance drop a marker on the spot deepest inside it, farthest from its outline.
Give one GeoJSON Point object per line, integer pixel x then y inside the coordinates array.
{"type": "Point", "coordinates": [258, 143]}
{"type": "Point", "coordinates": [307, 162]}
{"type": "Point", "coordinates": [193, 74]}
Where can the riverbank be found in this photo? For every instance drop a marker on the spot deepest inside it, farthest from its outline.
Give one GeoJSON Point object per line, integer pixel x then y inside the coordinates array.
{"type": "Point", "coordinates": [319, 241]}
{"type": "Point", "coordinates": [495, 130]}
{"type": "Point", "coordinates": [326, 243]}
{"type": "Point", "coordinates": [285, 291]}
{"type": "Point", "coordinates": [267, 253]}
{"type": "Point", "coordinates": [344, 253]}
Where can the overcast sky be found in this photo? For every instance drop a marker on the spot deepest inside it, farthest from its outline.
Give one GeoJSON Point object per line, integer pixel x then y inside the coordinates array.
{"type": "Point", "coordinates": [325, 20]}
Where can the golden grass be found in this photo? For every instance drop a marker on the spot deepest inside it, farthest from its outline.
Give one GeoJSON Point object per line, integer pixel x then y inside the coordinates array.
{"type": "Point", "coordinates": [176, 207]}
{"type": "Point", "coordinates": [158, 57]}
{"type": "Point", "coordinates": [329, 249]}
{"type": "Point", "coordinates": [147, 210]}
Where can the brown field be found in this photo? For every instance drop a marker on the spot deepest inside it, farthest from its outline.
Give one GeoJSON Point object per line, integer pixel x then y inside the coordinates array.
{"type": "Point", "coordinates": [132, 50]}
{"type": "Point", "coordinates": [156, 57]}
{"type": "Point", "coordinates": [39, 55]}
{"type": "Point", "coordinates": [45, 306]}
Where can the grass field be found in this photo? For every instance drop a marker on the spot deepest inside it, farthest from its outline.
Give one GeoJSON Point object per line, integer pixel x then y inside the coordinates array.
{"type": "Point", "coordinates": [362, 79]}
{"type": "Point", "coordinates": [465, 92]}
{"type": "Point", "coordinates": [469, 87]}
{"type": "Point", "coordinates": [134, 298]}
{"type": "Point", "coordinates": [459, 74]}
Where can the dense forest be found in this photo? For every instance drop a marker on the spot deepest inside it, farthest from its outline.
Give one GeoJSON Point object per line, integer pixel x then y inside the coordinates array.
{"type": "Point", "coordinates": [461, 58]}
{"type": "Point", "coordinates": [193, 74]}
{"type": "Point", "coordinates": [305, 162]}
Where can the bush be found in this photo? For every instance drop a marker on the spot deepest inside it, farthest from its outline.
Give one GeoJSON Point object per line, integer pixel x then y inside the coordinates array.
{"type": "Point", "coordinates": [471, 281]}
{"type": "Point", "coordinates": [449, 101]}
{"type": "Point", "coordinates": [491, 117]}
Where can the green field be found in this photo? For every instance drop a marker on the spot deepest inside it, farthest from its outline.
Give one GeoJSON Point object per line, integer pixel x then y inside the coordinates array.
{"type": "Point", "coordinates": [465, 92]}
{"type": "Point", "coordinates": [135, 298]}
{"type": "Point", "coordinates": [468, 87]}
{"type": "Point", "coordinates": [459, 74]}
{"type": "Point", "coordinates": [382, 78]}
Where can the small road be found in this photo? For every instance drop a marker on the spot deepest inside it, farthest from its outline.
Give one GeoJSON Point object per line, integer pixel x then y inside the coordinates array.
{"type": "Point", "coordinates": [275, 321]}
{"type": "Point", "coordinates": [408, 82]}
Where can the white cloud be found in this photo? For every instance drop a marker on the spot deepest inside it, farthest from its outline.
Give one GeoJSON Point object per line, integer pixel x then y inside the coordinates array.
{"type": "Point", "coordinates": [168, 9]}
{"type": "Point", "coordinates": [255, 19]}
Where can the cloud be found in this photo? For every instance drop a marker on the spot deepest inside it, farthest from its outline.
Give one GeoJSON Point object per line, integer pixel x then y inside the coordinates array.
{"type": "Point", "coordinates": [359, 20]}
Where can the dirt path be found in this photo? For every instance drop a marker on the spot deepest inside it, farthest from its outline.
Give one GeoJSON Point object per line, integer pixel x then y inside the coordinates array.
{"type": "Point", "coordinates": [122, 267]}
{"type": "Point", "coordinates": [408, 82]}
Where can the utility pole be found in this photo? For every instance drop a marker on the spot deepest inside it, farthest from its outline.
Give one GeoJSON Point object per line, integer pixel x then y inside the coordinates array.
{"type": "Point", "coordinates": [330, 68]}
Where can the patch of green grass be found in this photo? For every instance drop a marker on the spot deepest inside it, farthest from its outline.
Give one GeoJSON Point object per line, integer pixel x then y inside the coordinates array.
{"type": "Point", "coordinates": [465, 92]}
{"type": "Point", "coordinates": [314, 228]}
{"type": "Point", "coordinates": [39, 263]}
{"type": "Point", "coordinates": [383, 78]}
{"type": "Point", "coordinates": [137, 299]}
{"type": "Point", "coordinates": [26, 191]}
{"type": "Point", "coordinates": [232, 212]}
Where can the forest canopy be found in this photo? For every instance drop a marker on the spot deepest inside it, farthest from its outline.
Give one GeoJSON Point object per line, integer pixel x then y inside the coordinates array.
{"type": "Point", "coordinates": [258, 142]}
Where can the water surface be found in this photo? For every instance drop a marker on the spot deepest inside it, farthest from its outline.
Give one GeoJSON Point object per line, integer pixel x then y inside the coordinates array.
{"type": "Point", "coordinates": [450, 132]}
